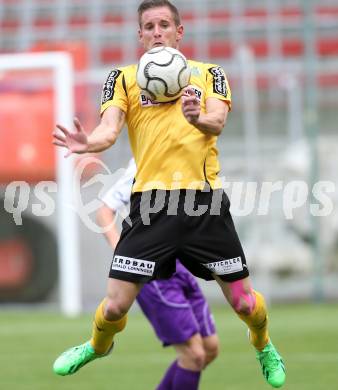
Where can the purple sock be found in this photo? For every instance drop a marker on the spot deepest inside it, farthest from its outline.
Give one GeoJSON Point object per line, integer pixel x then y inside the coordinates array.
{"type": "Point", "coordinates": [167, 380]}
{"type": "Point", "coordinates": [185, 379]}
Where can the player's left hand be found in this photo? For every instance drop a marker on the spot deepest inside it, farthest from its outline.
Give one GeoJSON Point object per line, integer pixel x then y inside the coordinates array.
{"type": "Point", "coordinates": [191, 106]}
{"type": "Point", "coordinates": [75, 142]}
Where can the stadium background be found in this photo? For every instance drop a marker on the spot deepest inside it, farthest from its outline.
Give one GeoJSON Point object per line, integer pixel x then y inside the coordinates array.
{"type": "Point", "coordinates": [281, 58]}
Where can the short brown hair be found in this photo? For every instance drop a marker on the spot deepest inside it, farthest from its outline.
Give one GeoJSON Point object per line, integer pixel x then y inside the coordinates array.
{"type": "Point", "coordinates": [148, 4]}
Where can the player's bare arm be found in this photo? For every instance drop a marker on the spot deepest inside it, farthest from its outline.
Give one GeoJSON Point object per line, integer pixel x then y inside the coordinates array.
{"type": "Point", "coordinates": [102, 137]}
{"type": "Point", "coordinates": [210, 122]}
{"type": "Point", "coordinates": [106, 219]}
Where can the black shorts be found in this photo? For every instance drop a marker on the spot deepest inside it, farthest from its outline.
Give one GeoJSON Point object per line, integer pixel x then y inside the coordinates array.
{"type": "Point", "coordinates": [193, 226]}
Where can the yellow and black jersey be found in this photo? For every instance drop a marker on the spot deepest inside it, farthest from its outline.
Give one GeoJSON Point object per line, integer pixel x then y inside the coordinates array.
{"type": "Point", "coordinates": [169, 152]}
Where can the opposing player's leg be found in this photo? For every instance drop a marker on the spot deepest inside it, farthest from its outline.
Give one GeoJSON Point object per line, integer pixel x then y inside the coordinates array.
{"type": "Point", "coordinates": [170, 313]}
{"type": "Point", "coordinates": [185, 372]}
{"type": "Point", "coordinates": [191, 359]}
{"type": "Point", "coordinates": [251, 308]}
{"type": "Point", "coordinates": [211, 348]}
{"type": "Point", "coordinates": [203, 316]}
{"type": "Point", "coordinates": [110, 318]}
{"type": "Point", "coordinates": [201, 349]}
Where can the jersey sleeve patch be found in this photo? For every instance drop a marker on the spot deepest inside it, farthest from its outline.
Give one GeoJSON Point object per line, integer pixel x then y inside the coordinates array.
{"type": "Point", "coordinates": [109, 86]}
{"type": "Point", "coordinates": [219, 81]}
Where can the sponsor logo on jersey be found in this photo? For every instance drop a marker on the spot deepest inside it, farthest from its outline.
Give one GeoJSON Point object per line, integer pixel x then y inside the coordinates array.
{"type": "Point", "coordinates": [219, 81]}
{"type": "Point", "coordinates": [198, 92]}
{"type": "Point", "coordinates": [109, 86]}
{"type": "Point", "coordinates": [134, 266]}
{"type": "Point", "coordinates": [145, 101]}
{"type": "Point", "coordinates": [228, 266]}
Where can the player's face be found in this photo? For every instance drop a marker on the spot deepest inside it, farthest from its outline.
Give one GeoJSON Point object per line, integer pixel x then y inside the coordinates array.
{"type": "Point", "coordinates": [159, 29]}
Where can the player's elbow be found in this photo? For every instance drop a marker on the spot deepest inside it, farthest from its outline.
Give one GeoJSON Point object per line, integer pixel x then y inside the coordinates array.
{"type": "Point", "coordinates": [219, 124]}
{"type": "Point", "coordinates": [218, 128]}
{"type": "Point", "coordinates": [111, 134]}
{"type": "Point", "coordinates": [111, 138]}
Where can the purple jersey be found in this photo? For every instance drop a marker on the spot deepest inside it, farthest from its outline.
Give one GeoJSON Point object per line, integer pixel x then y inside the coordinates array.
{"type": "Point", "coordinates": [176, 307]}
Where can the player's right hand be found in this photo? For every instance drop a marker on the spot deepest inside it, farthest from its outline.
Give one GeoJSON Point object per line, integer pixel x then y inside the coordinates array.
{"type": "Point", "coordinates": [191, 107]}
{"type": "Point", "coordinates": [75, 142]}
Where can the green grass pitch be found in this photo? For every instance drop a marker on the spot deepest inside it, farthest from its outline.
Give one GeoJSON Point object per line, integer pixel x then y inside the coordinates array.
{"type": "Point", "coordinates": [306, 336]}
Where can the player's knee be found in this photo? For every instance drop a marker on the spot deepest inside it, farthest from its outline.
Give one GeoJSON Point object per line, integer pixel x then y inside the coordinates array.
{"type": "Point", "coordinates": [243, 304]}
{"type": "Point", "coordinates": [211, 351]}
{"type": "Point", "coordinates": [197, 357]}
{"type": "Point", "coordinates": [114, 310]}
{"type": "Point", "coordinates": [242, 298]}
{"type": "Point", "coordinates": [193, 358]}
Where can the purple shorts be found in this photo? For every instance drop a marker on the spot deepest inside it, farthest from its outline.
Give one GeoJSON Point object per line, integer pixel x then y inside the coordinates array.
{"type": "Point", "coordinates": [176, 307]}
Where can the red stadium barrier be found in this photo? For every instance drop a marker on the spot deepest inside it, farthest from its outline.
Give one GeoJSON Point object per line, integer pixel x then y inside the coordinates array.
{"type": "Point", "coordinates": [26, 149]}
{"type": "Point", "coordinates": [15, 263]}
{"type": "Point", "coordinates": [224, 49]}
{"type": "Point", "coordinates": [27, 152]}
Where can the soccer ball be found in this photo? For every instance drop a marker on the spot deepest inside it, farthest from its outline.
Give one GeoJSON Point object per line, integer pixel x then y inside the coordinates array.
{"type": "Point", "coordinates": [162, 73]}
